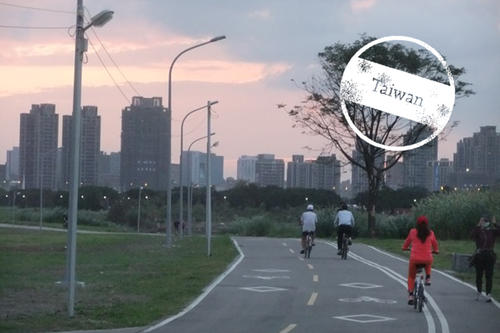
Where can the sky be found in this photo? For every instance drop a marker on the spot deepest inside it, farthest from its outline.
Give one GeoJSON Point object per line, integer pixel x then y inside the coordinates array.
{"type": "Point", "coordinates": [269, 44]}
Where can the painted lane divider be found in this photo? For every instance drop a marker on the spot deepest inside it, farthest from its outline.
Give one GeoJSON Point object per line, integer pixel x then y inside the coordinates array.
{"type": "Point", "coordinates": [284, 244]}
{"type": "Point", "coordinates": [291, 251]}
{"type": "Point", "coordinates": [395, 276]}
{"type": "Point", "coordinates": [310, 266]}
{"type": "Point", "coordinates": [301, 258]}
{"type": "Point", "coordinates": [289, 328]}
{"type": "Point", "coordinates": [312, 299]}
{"type": "Point", "coordinates": [315, 278]}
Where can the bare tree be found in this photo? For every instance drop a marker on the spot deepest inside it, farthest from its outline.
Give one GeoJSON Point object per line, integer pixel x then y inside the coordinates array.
{"type": "Point", "coordinates": [321, 113]}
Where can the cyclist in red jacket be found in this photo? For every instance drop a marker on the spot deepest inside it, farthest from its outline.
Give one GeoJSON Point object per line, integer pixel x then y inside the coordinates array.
{"type": "Point", "coordinates": [423, 244]}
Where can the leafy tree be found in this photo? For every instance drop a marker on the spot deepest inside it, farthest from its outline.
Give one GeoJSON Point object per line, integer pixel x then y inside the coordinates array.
{"type": "Point", "coordinates": [321, 113]}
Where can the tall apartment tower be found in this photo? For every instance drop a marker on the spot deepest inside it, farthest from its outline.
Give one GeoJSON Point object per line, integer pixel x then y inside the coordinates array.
{"type": "Point", "coordinates": [323, 173]}
{"type": "Point", "coordinates": [298, 173]}
{"type": "Point", "coordinates": [246, 168]}
{"type": "Point", "coordinates": [479, 156]}
{"type": "Point", "coordinates": [415, 162]}
{"type": "Point", "coordinates": [12, 164]}
{"type": "Point", "coordinates": [89, 149]}
{"type": "Point", "coordinates": [38, 147]}
{"type": "Point", "coordinates": [194, 168]}
{"type": "Point", "coordinates": [328, 173]}
{"type": "Point", "coordinates": [269, 171]}
{"type": "Point", "coordinates": [144, 140]}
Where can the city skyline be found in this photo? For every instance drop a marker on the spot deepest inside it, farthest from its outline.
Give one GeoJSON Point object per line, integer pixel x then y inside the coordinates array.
{"type": "Point", "coordinates": [249, 73]}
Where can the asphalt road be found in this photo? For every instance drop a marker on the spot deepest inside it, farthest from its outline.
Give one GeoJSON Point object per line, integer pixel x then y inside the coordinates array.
{"type": "Point", "coordinates": [273, 289]}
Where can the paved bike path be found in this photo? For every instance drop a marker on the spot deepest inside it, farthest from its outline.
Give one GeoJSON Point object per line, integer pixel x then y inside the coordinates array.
{"type": "Point", "coordinates": [273, 290]}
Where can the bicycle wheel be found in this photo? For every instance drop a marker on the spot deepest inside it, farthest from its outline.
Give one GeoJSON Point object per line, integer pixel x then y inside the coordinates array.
{"type": "Point", "coordinates": [415, 295]}
{"type": "Point", "coordinates": [421, 298]}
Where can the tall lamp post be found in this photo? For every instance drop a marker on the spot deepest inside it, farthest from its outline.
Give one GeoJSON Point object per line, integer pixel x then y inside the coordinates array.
{"type": "Point", "coordinates": [190, 199]}
{"type": "Point", "coordinates": [80, 47]}
{"type": "Point", "coordinates": [181, 194]}
{"type": "Point", "coordinates": [139, 209]}
{"type": "Point", "coordinates": [169, 145]}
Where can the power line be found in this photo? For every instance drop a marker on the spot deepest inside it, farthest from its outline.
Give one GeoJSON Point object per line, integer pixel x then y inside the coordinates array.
{"type": "Point", "coordinates": [29, 27]}
{"type": "Point", "coordinates": [111, 58]}
{"type": "Point", "coordinates": [109, 73]}
{"type": "Point", "coordinates": [36, 8]}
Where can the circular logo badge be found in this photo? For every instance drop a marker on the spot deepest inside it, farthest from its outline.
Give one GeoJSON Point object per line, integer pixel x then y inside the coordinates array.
{"type": "Point", "coordinates": [397, 92]}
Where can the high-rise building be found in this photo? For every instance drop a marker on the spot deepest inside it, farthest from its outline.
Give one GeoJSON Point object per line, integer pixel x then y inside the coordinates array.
{"type": "Point", "coordinates": [438, 174]}
{"type": "Point", "coordinates": [415, 162]}
{"type": "Point", "coordinates": [478, 158]}
{"type": "Point", "coordinates": [144, 140]}
{"type": "Point", "coordinates": [246, 168]}
{"type": "Point", "coordinates": [108, 170]}
{"type": "Point", "coordinates": [12, 164]}
{"type": "Point", "coordinates": [394, 176]}
{"type": "Point", "coordinates": [269, 171]}
{"type": "Point", "coordinates": [359, 179]}
{"type": "Point", "coordinates": [3, 176]}
{"type": "Point", "coordinates": [194, 168]}
{"type": "Point", "coordinates": [90, 146]}
{"type": "Point", "coordinates": [38, 147]}
{"type": "Point", "coordinates": [323, 173]}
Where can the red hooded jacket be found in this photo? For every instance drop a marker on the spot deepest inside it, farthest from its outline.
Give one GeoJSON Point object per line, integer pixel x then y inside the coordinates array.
{"type": "Point", "coordinates": [421, 251]}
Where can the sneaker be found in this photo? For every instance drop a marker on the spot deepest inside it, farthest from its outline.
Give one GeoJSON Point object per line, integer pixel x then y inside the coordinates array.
{"type": "Point", "coordinates": [410, 300]}
{"type": "Point", "coordinates": [427, 281]}
{"type": "Point", "coordinates": [301, 251]}
{"type": "Point", "coordinates": [488, 298]}
{"type": "Point", "coordinates": [349, 241]}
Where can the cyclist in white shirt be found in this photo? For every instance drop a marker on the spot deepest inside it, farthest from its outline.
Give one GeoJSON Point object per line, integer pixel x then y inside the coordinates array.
{"type": "Point", "coordinates": [345, 222]}
{"type": "Point", "coordinates": [308, 222]}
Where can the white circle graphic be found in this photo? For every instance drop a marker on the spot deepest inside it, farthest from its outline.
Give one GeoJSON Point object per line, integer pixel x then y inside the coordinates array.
{"type": "Point", "coordinates": [445, 104]}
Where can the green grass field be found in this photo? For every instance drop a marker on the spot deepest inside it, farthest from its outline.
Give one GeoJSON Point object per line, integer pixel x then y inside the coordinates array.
{"type": "Point", "coordinates": [443, 261]}
{"type": "Point", "coordinates": [130, 280]}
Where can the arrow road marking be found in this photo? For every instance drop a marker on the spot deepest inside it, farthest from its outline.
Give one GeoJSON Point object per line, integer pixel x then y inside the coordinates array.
{"type": "Point", "coordinates": [263, 289]}
{"type": "Point", "coordinates": [364, 318]}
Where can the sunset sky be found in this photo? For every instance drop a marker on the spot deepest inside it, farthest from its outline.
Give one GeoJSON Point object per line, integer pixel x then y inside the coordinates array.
{"type": "Point", "coordinates": [268, 44]}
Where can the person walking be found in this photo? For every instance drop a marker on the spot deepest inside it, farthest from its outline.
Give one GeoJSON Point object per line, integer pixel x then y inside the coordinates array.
{"type": "Point", "coordinates": [344, 220]}
{"type": "Point", "coordinates": [484, 234]}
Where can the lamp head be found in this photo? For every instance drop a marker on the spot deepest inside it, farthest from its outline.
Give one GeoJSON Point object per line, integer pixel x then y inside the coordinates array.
{"type": "Point", "coordinates": [101, 18]}
{"type": "Point", "coordinates": [215, 39]}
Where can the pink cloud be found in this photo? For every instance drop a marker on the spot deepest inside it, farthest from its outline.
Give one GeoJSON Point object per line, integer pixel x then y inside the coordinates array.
{"type": "Point", "coordinates": [361, 5]}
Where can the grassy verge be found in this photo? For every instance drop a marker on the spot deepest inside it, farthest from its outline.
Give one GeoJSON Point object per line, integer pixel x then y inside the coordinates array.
{"type": "Point", "coordinates": [130, 280]}
{"type": "Point", "coordinates": [443, 261]}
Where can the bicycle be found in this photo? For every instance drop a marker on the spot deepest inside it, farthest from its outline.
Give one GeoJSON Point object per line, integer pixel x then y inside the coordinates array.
{"type": "Point", "coordinates": [309, 244]}
{"type": "Point", "coordinates": [345, 247]}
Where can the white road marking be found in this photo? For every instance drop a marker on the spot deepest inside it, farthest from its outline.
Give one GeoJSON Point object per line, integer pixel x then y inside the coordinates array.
{"type": "Point", "coordinates": [310, 266]}
{"type": "Point", "coordinates": [315, 278]}
{"type": "Point", "coordinates": [266, 277]}
{"type": "Point", "coordinates": [271, 270]}
{"type": "Point", "coordinates": [367, 299]}
{"type": "Point", "coordinates": [284, 244]}
{"type": "Point", "coordinates": [431, 327]}
{"type": "Point", "coordinates": [289, 328]}
{"type": "Point", "coordinates": [291, 251]}
{"type": "Point", "coordinates": [312, 299]}
{"type": "Point", "coordinates": [263, 289]}
{"type": "Point", "coordinates": [301, 258]}
{"type": "Point", "coordinates": [364, 318]}
{"type": "Point", "coordinates": [203, 295]}
{"type": "Point", "coordinates": [433, 269]}
{"type": "Point", "coordinates": [360, 285]}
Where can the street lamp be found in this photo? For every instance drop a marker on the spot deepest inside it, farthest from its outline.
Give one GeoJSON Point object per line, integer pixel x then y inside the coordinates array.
{"type": "Point", "coordinates": [139, 209]}
{"type": "Point", "coordinates": [80, 48]}
{"type": "Point", "coordinates": [190, 190]}
{"type": "Point", "coordinates": [181, 197]}
{"type": "Point", "coordinates": [169, 144]}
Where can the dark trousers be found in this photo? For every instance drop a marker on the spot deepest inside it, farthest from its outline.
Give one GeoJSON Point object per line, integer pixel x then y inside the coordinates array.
{"type": "Point", "coordinates": [341, 230]}
{"type": "Point", "coordinates": [484, 263]}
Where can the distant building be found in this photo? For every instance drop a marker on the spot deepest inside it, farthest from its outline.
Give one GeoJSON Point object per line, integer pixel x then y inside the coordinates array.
{"type": "Point", "coordinates": [415, 163]}
{"type": "Point", "coordinates": [438, 174]}
{"type": "Point", "coordinates": [108, 170]}
{"type": "Point", "coordinates": [144, 140]}
{"type": "Point", "coordinates": [3, 176]}
{"type": "Point", "coordinates": [12, 164]}
{"type": "Point", "coordinates": [38, 147]}
{"type": "Point", "coordinates": [194, 171]}
{"type": "Point", "coordinates": [90, 146]}
{"type": "Point", "coordinates": [394, 177]}
{"type": "Point", "coordinates": [269, 171]}
{"type": "Point", "coordinates": [477, 160]}
{"type": "Point", "coordinates": [323, 173]}
{"type": "Point", "coordinates": [246, 168]}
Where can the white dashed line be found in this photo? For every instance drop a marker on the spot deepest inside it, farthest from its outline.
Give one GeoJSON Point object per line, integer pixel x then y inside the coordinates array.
{"type": "Point", "coordinates": [289, 328]}
{"type": "Point", "coordinates": [291, 251]}
{"type": "Point", "coordinates": [310, 266]}
{"type": "Point", "coordinates": [315, 278]}
{"type": "Point", "coordinates": [312, 299]}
